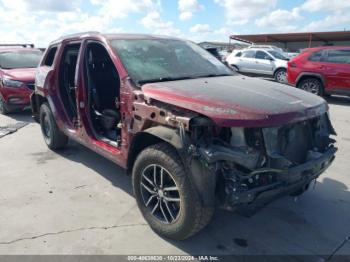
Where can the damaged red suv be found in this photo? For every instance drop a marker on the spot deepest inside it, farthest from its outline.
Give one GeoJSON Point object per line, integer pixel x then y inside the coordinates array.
{"type": "Point", "coordinates": [192, 134]}
{"type": "Point", "coordinates": [17, 76]}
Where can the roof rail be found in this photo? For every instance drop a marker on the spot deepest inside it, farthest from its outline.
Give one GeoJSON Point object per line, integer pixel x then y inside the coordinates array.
{"type": "Point", "coordinates": [19, 45]}
{"type": "Point", "coordinates": [76, 35]}
{"type": "Point", "coordinates": [80, 34]}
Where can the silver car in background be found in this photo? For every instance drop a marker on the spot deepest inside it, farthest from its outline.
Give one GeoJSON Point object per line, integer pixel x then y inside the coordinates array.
{"type": "Point", "coordinates": [264, 62]}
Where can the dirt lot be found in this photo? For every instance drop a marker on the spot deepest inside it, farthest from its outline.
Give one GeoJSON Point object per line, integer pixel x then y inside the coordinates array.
{"type": "Point", "coordinates": [76, 202]}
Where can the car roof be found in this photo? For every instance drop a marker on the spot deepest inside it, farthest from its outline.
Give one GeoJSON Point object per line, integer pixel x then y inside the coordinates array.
{"type": "Point", "coordinates": [101, 36]}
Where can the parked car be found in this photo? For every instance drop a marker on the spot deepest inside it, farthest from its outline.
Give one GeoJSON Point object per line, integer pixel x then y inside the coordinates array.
{"type": "Point", "coordinates": [275, 48]}
{"type": "Point", "coordinates": [193, 134]}
{"type": "Point", "coordinates": [265, 62]}
{"type": "Point", "coordinates": [17, 73]}
{"type": "Point", "coordinates": [322, 70]}
{"type": "Point", "coordinates": [266, 47]}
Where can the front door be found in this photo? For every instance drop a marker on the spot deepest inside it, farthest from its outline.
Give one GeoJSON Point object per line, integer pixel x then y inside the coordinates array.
{"type": "Point", "coordinates": [247, 62]}
{"type": "Point", "coordinates": [264, 63]}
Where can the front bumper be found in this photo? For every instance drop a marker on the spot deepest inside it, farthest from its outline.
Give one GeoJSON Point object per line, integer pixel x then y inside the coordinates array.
{"type": "Point", "coordinates": [16, 98]}
{"type": "Point", "coordinates": [289, 181]}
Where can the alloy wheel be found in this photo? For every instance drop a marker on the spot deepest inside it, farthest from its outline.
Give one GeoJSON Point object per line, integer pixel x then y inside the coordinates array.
{"type": "Point", "coordinates": [281, 76]}
{"type": "Point", "coordinates": [160, 194]}
{"type": "Point", "coordinates": [311, 87]}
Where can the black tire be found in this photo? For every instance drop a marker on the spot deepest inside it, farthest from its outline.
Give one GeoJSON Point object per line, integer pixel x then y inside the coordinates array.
{"type": "Point", "coordinates": [3, 108]}
{"type": "Point", "coordinates": [281, 76]}
{"type": "Point", "coordinates": [192, 215]}
{"type": "Point", "coordinates": [312, 85]}
{"type": "Point", "coordinates": [54, 138]}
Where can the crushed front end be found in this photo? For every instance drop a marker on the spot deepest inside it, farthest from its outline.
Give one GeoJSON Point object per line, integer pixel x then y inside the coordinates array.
{"type": "Point", "coordinates": [254, 166]}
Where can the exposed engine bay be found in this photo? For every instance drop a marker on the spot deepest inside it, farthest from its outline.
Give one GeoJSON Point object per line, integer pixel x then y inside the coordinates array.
{"type": "Point", "coordinates": [245, 168]}
{"type": "Point", "coordinates": [251, 161]}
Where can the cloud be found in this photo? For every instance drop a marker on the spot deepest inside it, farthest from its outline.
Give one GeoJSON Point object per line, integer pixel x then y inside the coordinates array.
{"type": "Point", "coordinates": [331, 22]}
{"type": "Point", "coordinates": [200, 28]}
{"type": "Point", "coordinates": [41, 27]}
{"type": "Point", "coordinates": [324, 5]}
{"type": "Point", "coordinates": [153, 22]}
{"type": "Point", "coordinates": [240, 12]}
{"type": "Point", "coordinates": [41, 5]}
{"type": "Point", "coordinates": [121, 9]}
{"type": "Point", "coordinates": [187, 8]}
{"type": "Point", "coordinates": [337, 18]}
{"type": "Point", "coordinates": [280, 20]}
{"type": "Point", "coordinates": [203, 32]}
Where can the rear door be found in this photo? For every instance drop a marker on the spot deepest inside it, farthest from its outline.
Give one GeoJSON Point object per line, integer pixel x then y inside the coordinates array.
{"type": "Point", "coordinates": [264, 63]}
{"type": "Point", "coordinates": [247, 62]}
{"type": "Point", "coordinates": [337, 70]}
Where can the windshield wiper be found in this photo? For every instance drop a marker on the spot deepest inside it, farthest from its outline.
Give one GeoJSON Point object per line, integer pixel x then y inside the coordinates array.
{"type": "Point", "coordinates": [214, 75]}
{"type": "Point", "coordinates": [169, 78]}
{"type": "Point", "coordinates": [164, 79]}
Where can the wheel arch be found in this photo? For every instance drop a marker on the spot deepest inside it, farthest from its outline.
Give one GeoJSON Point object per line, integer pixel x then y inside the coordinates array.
{"type": "Point", "coordinates": [203, 179]}
{"type": "Point", "coordinates": [304, 76]}
{"type": "Point", "coordinates": [149, 137]}
{"type": "Point", "coordinates": [36, 101]}
{"type": "Point", "coordinates": [277, 69]}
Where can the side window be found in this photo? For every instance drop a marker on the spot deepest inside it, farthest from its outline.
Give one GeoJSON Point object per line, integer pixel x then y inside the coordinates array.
{"type": "Point", "coordinates": [338, 56]}
{"type": "Point", "coordinates": [315, 57]}
{"type": "Point", "coordinates": [262, 55]}
{"type": "Point", "coordinates": [239, 54]}
{"type": "Point", "coordinates": [50, 57]}
{"type": "Point", "coordinates": [249, 54]}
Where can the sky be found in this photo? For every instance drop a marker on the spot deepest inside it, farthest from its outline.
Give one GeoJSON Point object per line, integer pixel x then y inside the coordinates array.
{"type": "Point", "coordinates": [41, 21]}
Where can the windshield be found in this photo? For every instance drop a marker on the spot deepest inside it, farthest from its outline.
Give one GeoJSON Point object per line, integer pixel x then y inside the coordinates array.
{"type": "Point", "coordinates": [20, 59]}
{"type": "Point", "coordinates": [277, 55]}
{"type": "Point", "coordinates": [155, 60]}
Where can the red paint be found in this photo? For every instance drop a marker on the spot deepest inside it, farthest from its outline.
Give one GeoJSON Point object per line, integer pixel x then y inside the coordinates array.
{"type": "Point", "coordinates": [335, 76]}
{"type": "Point", "coordinates": [225, 113]}
{"type": "Point", "coordinates": [17, 98]}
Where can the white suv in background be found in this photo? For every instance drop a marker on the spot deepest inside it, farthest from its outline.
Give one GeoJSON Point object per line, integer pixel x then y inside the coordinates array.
{"type": "Point", "coordinates": [265, 62]}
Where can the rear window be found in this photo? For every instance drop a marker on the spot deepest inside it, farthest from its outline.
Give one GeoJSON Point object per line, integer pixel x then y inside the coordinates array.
{"type": "Point", "coordinates": [238, 54]}
{"type": "Point", "coordinates": [20, 59]}
{"type": "Point", "coordinates": [338, 56]}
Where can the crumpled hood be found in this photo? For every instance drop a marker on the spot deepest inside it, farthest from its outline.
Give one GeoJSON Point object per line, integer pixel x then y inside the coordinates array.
{"type": "Point", "coordinates": [21, 74]}
{"type": "Point", "coordinates": [239, 100]}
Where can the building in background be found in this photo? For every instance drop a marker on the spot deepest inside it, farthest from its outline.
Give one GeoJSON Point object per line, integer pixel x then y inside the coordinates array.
{"type": "Point", "coordinates": [293, 42]}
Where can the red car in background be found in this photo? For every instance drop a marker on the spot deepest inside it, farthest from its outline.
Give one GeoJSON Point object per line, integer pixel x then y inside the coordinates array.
{"type": "Point", "coordinates": [17, 76]}
{"type": "Point", "coordinates": [321, 70]}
